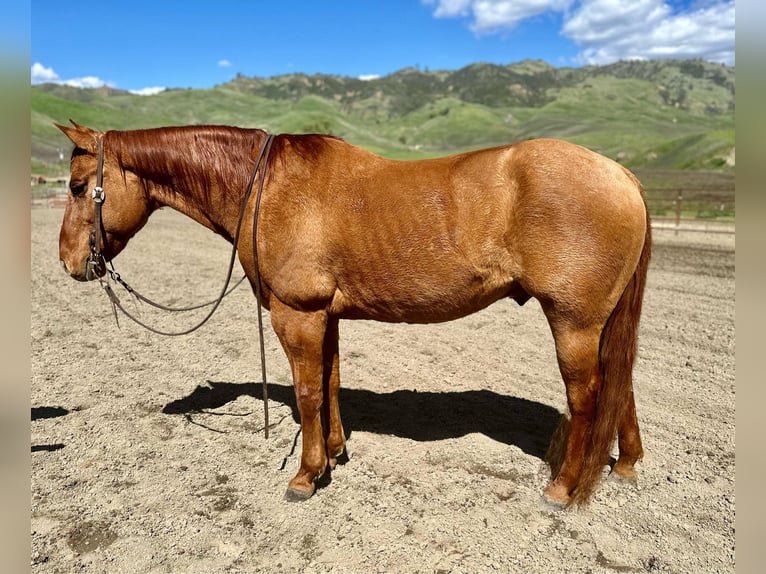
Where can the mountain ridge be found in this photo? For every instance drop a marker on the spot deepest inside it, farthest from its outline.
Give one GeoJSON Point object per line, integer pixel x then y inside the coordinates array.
{"type": "Point", "coordinates": [632, 111]}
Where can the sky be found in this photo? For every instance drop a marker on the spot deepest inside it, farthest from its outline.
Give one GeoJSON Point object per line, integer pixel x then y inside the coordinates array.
{"type": "Point", "coordinates": [148, 45]}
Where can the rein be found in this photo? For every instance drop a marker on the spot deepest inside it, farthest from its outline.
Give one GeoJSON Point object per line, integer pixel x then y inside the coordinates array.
{"type": "Point", "coordinates": [96, 262]}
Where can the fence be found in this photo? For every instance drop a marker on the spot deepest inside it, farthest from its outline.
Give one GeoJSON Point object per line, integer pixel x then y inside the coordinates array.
{"type": "Point", "coordinates": [706, 211]}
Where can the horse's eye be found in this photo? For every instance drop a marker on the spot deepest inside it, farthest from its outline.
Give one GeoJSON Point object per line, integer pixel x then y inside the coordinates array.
{"type": "Point", "coordinates": [77, 188]}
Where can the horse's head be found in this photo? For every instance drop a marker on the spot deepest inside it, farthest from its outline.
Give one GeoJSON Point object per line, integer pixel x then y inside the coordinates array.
{"type": "Point", "coordinates": [124, 210]}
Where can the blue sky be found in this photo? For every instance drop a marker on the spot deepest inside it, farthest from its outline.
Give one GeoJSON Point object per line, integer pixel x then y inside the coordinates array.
{"type": "Point", "coordinates": [152, 44]}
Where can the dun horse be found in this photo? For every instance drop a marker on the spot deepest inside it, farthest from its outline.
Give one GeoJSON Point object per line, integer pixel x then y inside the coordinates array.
{"type": "Point", "coordinates": [345, 234]}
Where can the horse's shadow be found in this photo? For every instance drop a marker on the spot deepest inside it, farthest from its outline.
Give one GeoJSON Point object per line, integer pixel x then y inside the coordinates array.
{"type": "Point", "coordinates": [420, 416]}
{"type": "Point", "coordinates": [39, 413]}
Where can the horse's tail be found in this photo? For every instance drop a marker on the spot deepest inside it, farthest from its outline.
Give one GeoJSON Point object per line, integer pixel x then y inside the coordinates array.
{"type": "Point", "coordinates": [617, 353]}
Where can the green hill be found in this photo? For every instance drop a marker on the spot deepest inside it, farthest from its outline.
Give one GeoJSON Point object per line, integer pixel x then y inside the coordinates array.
{"type": "Point", "coordinates": [654, 114]}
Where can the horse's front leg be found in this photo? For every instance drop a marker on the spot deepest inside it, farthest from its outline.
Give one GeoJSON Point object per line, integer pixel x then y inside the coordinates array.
{"type": "Point", "coordinates": [302, 337]}
{"type": "Point", "coordinates": [336, 439]}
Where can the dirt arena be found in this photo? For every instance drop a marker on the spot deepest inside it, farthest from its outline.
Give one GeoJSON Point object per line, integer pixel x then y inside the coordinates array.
{"type": "Point", "coordinates": [148, 454]}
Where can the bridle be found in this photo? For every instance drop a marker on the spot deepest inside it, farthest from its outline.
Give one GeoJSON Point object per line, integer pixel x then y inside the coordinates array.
{"type": "Point", "coordinates": [95, 266]}
{"type": "Point", "coordinates": [96, 263]}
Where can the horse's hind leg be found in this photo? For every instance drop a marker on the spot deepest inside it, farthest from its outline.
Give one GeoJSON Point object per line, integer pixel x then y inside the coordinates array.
{"type": "Point", "coordinates": [302, 337]}
{"type": "Point", "coordinates": [577, 353]}
{"type": "Point", "coordinates": [629, 441]}
{"type": "Point", "coordinates": [335, 440]}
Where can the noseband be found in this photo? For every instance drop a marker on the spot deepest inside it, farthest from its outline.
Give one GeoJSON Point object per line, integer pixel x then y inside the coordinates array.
{"type": "Point", "coordinates": [96, 266]}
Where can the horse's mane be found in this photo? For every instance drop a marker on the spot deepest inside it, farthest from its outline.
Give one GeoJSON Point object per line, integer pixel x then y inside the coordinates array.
{"type": "Point", "coordinates": [196, 158]}
{"type": "Point", "coordinates": [193, 158]}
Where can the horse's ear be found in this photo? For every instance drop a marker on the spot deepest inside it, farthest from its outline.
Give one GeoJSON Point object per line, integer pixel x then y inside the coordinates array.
{"type": "Point", "coordinates": [81, 136]}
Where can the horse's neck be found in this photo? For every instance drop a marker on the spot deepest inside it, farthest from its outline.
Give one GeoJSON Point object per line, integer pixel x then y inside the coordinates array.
{"type": "Point", "coordinates": [182, 176]}
{"type": "Point", "coordinates": [207, 212]}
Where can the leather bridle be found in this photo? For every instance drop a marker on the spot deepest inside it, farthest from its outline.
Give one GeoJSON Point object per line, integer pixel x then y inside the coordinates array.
{"type": "Point", "coordinates": [96, 264]}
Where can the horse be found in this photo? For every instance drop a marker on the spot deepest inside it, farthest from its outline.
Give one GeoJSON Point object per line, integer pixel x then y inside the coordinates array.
{"type": "Point", "coordinates": [342, 233]}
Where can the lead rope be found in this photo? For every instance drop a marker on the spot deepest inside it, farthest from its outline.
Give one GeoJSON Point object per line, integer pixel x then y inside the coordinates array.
{"type": "Point", "coordinates": [262, 159]}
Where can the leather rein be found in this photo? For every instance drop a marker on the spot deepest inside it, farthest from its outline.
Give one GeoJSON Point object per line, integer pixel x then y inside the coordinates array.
{"type": "Point", "coordinates": [96, 264]}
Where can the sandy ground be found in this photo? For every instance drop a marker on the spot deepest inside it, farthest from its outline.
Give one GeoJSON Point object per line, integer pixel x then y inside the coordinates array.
{"type": "Point", "coordinates": [148, 453]}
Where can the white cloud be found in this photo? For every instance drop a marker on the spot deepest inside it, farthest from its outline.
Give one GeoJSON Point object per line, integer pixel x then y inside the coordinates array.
{"type": "Point", "coordinates": [450, 8]}
{"type": "Point", "coordinates": [494, 15]}
{"type": "Point", "coordinates": [148, 91]}
{"type": "Point", "coordinates": [489, 16]}
{"type": "Point", "coordinates": [41, 75]}
{"type": "Point", "coordinates": [610, 30]}
{"type": "Point", "coordinates": [368, 77]}
{"type": "Point", "coordinates": [86, 82]}
{"type": "Point", "coordinates": [609, 21]}
{"type": "Point", "coordinates": [224, 63]}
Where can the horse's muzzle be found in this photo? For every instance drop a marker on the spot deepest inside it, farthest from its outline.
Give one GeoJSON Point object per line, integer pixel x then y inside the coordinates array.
{"type": "Point", "coordinates": [92, 270]}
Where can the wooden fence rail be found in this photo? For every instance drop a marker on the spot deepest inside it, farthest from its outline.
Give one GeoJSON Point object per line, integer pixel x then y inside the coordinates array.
{"type": "Point", "coordinates": [705, 210]}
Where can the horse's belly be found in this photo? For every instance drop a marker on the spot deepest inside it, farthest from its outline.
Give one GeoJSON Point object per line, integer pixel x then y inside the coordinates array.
{"type": "Point", "coordinates": [421, 299]}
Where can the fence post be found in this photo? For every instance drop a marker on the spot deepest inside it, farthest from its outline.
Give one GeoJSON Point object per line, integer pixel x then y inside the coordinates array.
{"type": "Point", "coordinates": [679, 201]}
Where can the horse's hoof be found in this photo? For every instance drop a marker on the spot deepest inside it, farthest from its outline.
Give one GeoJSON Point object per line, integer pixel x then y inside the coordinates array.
{"type": "Point", "coordinates": [623, 471]}
{"type": "Point", "coordinates": [630, 479]}
{"type": "Point", "coordinates": [294, 495]}
{"type": "Point", "coordinates": [556, 496]}
{"type": "Point", "coordinates": [547, 504]}
{"type": "Point", "coordinates": [341, 458]}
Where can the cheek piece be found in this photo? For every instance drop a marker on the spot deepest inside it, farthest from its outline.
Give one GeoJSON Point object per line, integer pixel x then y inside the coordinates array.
{"type": "Point", "coordinates": [95, 266]}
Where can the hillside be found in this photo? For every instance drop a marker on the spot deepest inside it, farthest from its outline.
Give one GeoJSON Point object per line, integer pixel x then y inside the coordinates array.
{"type": "Point", "coordinates": [670, 114]}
